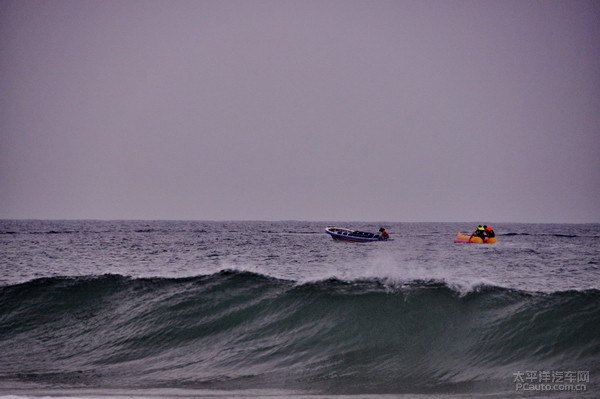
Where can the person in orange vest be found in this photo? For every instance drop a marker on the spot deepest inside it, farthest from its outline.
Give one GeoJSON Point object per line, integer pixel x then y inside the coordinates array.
{"type": "Point", "coordinates": [384, 234]}
{"type": "Point", "coordinates": [489, 232]}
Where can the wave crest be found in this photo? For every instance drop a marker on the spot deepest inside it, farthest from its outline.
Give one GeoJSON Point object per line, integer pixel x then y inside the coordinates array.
{"type": "Point", "coordinates": [334, 335]}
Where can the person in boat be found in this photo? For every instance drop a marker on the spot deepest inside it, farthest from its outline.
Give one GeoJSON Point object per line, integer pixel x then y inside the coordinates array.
{"type": "Point", "coordinates": [480, 232]}
{"type": "Point", "coordinates": [384, 234]}
{"type": "Point", "coordinates": [489, 232]}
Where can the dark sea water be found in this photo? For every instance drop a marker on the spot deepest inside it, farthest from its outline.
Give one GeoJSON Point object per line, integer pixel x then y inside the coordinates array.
{"type": "Point", "coordinates": [129, 309]}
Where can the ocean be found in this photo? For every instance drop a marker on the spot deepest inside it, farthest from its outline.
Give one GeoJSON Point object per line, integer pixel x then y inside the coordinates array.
{"type": "Point", "coordinates": [178, 309]}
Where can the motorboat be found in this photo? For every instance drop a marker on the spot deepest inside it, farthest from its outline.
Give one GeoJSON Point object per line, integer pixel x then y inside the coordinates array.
{"type": "Point", "coordinates": [342, 234]}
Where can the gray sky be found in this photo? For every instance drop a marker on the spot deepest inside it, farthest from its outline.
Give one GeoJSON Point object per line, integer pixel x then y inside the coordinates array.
{"type": "Point", "coordinates": [308, 110]}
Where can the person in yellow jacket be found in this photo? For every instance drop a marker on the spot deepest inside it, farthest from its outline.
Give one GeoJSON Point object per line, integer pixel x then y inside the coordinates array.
{"type": "Point", "coordinates": [480, 232]}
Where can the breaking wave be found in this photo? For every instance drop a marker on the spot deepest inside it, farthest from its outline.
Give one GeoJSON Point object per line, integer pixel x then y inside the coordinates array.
{"type": "Point", "coordinates": [237, 329]}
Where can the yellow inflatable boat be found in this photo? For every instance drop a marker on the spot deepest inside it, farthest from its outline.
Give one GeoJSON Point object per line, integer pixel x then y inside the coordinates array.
{"type": "Point", "coordinates": [468, 239]}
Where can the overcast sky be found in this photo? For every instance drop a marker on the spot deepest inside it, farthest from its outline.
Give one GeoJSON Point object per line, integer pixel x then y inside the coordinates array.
{"type": "Point", "coordinates": [306, 110]}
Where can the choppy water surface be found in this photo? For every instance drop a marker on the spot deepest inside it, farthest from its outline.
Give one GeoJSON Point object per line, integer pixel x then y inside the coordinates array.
{"type": "Point", "coordinates": [279, 309]}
